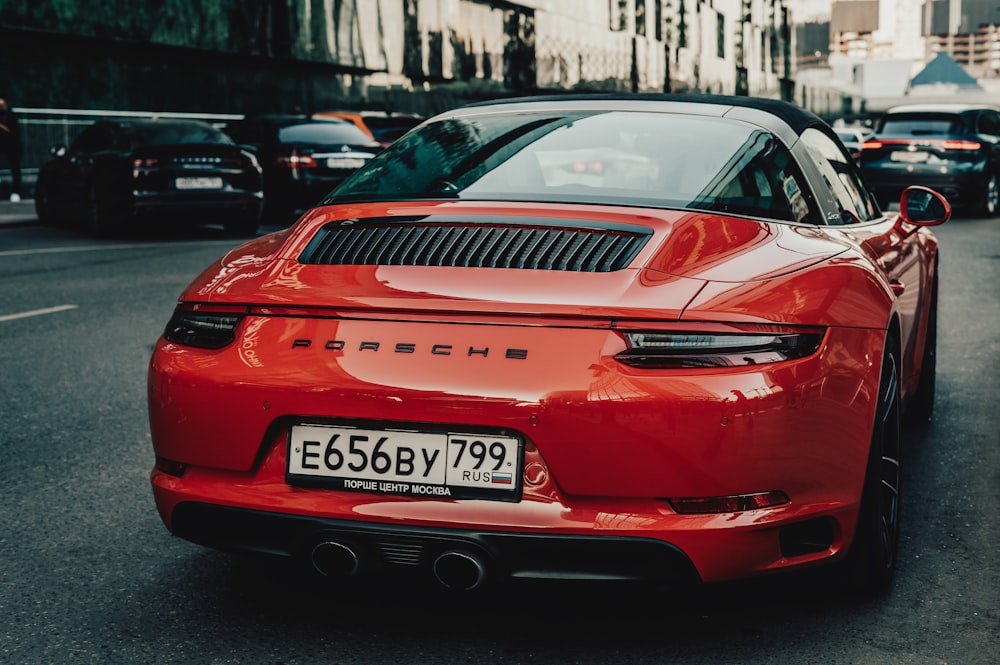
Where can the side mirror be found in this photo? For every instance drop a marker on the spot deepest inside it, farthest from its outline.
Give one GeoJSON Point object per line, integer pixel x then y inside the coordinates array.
{"type": "Point", "coordinates": [923, 207]}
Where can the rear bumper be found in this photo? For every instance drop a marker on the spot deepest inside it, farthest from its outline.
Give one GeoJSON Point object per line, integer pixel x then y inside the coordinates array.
{"type": "Point", "coordinates": [387, 549]}
{"type": "Point", "coordinates": [571, 539]}
{"type": "Point", "coordinates": [200, 208]}
{"type": "Point", "coordinates": [961, 189]}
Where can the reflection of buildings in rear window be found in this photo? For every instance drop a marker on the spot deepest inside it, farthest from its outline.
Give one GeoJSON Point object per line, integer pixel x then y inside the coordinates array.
{"type": "Point", "coordinates": [840, 178]}
{"type": "Point", "coordinates": [598, 157]}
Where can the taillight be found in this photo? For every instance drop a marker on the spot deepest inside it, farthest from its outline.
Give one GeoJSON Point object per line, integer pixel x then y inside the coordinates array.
{"type": "Point", "coordinates": [204, 326]}
{"type": "Point", "coordinates": [660, 350]}
{"type": "Point", "coordinates": [145, 162]}
{"type": "Point", "coordinates": [871, 145]}
{"type": "Point", "coordinates": [961, 145]}
{"type": "Point", "coordinates": [297, 160]}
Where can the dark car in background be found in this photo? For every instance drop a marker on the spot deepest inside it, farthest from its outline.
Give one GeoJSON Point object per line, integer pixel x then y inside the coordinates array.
{"type": "Point", "coordinates": [853, 139]}
{"type": "Point", "coordinates": [123, 175]}
{"type": "Point", "coordinates": [303, 158]}
{"type": "Point", "coordinates": [952, 148]}
{"type": "Point", "coordinates": [383, 126]}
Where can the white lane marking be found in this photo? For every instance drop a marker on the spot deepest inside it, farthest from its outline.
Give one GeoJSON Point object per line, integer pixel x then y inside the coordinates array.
{"type": "Point", "coordinates": [37, 312]}
{"type": "Point", "coordinates": [95, 248]}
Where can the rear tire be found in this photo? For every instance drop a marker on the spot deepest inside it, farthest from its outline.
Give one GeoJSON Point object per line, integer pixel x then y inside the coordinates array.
{"type": "Point", "coordinates": [99, 221]}
{"type": "Point", "coordinates": [871, 562]}
{"type": "Point", "coordinates": [43, 208]}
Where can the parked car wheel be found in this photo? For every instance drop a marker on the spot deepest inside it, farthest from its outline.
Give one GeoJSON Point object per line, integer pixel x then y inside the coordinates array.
{"type": "Point", "coordinates": [43, 208]}
{"type": "Point", "coordinates": [991, 201]}
{"type": "Point", "coordinates": [100, 222]}
{"type": "Point", "coordinates": [871, 562]}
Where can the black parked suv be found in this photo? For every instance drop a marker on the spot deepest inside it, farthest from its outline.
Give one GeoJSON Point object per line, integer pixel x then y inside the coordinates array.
{"type": "Point", "coordinates": [952, 148]}
{"type": "Point", "coordinates": [303, 158]}
{"type": "Point", "coordinates": [119, 175]}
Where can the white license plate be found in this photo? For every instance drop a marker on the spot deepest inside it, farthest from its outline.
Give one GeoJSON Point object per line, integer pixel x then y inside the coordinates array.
{"type": "Point", "coordinates": [345, 162]}
{"type": "Point", "coordinates": [429, 464]}
{"type": "Point", "coordinates": [196, 182]}
{"type": "Point", "coordinates": [908, 156]}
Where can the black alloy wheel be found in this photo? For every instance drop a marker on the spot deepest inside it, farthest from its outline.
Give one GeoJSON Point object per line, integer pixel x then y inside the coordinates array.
{"type": "Point", "coordinates": [871, 562]}
{"type": "Point", "coordinates": [991, 199]}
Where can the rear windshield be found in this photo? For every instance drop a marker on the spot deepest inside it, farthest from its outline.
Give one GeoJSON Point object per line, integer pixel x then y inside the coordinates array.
{"type": "Point", "coordinates": [172, 133]}
{"type": "Point", "coordinates": [323, 132]}
{"type": "Point", "coordinates": [617, 157]}
{"type": "Point", "coordinates": [922, 125]}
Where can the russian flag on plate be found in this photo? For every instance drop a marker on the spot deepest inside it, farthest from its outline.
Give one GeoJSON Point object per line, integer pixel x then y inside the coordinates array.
{"type": "Point", "coordinates": [501, 478]}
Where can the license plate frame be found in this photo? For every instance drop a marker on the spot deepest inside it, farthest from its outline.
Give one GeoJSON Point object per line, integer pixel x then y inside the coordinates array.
{"type": "Point", "coordinates": [345, 163]}
{"type": "Point", "coordinates": [445, 464]}
{"type": "Point", "coordinates": [909, 156]}
{"type": "Point", "coordinates": [189, 183]}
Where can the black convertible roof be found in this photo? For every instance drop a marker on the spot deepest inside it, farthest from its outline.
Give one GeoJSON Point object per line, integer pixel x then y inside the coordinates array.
{"type": "Point", "coordinates": [795, 117]}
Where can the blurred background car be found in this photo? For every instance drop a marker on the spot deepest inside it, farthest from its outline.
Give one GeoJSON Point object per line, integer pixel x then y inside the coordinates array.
{"type": "Point", "coordinates": [303, 159]}
{"type": "Point", "coordinates": [383, 126]}
{"type": "Point", "coordinates": [952, 148]}
{"type": "Point", "coordinates": [853, 139]}
{"type": "Point", "coordinates": [168, 171]}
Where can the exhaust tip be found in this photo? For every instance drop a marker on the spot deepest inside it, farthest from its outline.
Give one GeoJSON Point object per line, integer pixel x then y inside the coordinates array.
{"type": "Point", "coordinates": [334, 559]}
{"type": "Point", "coordinates": [459, 571]}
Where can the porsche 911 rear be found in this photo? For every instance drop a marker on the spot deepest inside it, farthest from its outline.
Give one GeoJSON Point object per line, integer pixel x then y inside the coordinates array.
{"type": "Point", "coordinates": [642, 338]}
{"type": "Point", "coordinates": [470, 394]}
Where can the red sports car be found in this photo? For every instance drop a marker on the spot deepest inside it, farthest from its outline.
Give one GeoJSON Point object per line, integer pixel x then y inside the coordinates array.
{"type": "Point", "coordinates": [659, 338]}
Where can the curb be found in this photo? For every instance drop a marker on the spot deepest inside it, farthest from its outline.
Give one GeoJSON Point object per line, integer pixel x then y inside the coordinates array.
{"type": "Point", "coordinates": [21, 213]}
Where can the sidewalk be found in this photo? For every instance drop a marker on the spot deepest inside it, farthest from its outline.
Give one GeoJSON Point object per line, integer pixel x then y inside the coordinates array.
{"type": "Point", "coordinates": [17, 214]}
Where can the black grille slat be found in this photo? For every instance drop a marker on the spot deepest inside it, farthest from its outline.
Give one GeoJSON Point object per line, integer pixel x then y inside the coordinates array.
{"type": "Point", "coordinates": [469, 256]}
{"type": "Point", "coordinates": [417, 244]}
{"type": "Point", "coordinates": [372, 246]}
{"type": "Point", "coordinates": [541, 250]}
{"type": "Point", "coordinates": [616, 251]}
{"type": "Point", "coordinates": [401, 554]}
{"type": "Point", "coordinates": [398, 254]}
{"type": "Point", "coordinates": [589, 248]}
{"type": "Point", "coordinates": [341, 246]}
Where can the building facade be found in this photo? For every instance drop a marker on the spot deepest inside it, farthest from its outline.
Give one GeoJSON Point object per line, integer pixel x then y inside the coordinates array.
{"type": "Point", "coordinates": [255, 56]}
{"type": "Point", "coordinates": [857, 58]}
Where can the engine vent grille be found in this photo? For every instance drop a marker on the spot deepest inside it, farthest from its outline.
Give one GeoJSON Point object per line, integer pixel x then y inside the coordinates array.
{"type": "Point", "coordinates": [535, 246]}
